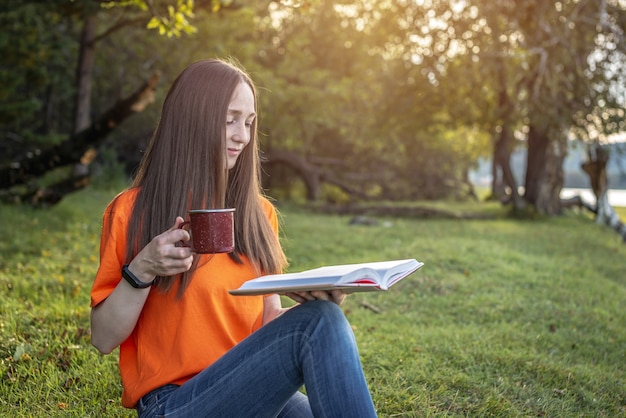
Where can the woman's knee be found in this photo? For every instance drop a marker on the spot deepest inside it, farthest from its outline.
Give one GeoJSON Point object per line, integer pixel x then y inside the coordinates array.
{"type": "Point", "coordinates": [323, 308]}
{"type": "Point", "coordinates": [326, 313]}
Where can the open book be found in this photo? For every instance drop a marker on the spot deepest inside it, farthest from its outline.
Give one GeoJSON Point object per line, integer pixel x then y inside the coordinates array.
{"type": "Point", "coordinates": [363, 277]}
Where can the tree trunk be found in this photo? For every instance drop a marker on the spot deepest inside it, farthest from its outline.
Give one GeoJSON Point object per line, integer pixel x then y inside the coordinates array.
{"type": "Point", "coordinates": [84, 71]}
{"type": "Point", "coordinates": [535, 164]}
{"type": "Point", "coordinates": [606, 215]}
{"type": "Point", "coordinates": [502, 160]}
{"type": "Point", "coordinates": [504, 142]}
{"type": "Point", "coordinates": [312, 175]}
{"type": "Point", "coordinates": [544, 171]}
{"type": "Point", "coordinates": [595, 167]}
{"type": "Point", "coordinates": [307, 172]}
{"type": "Point", "coordinates": [82, 102]}
{"type": "Point", "coordinates": [498, 189]}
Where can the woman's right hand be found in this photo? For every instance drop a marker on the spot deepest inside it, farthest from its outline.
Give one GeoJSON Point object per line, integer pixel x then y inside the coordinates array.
{"type": "Point", "coordinates": [162, 256]}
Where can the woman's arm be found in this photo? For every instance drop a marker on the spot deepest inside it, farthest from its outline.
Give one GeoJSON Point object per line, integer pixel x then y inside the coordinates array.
{"type": "Point", "coordinates": [114, 319]}
{"type": "Point", "coordinates": [272, 308]}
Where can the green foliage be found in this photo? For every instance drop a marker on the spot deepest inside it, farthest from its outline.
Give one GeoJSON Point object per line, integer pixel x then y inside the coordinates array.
{"type": "Point", "coordinates": [175, 23]}
{"type": "Point", "coordinates": [108, 172]}
{"type": "Point", "coordinates": [366, 117]}
{"type": "Point", "coordinates": [395, 98]}
{"type": "Point", "coordinates": [346, 109]}
{"type": "Point", "coordinates": [37, 42]}
{"type": "Point", "coordinates": [507, 318]}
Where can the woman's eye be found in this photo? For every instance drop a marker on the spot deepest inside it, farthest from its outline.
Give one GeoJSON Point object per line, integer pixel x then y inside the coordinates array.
{"type": "Point", "coordinates": [233, 121]}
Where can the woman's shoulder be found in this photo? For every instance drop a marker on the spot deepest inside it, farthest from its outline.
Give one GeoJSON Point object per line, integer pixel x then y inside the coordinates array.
{"type": "Point", "coordinates": [267, 205]}
{"type": "Point", "coordinates": [124, 201]}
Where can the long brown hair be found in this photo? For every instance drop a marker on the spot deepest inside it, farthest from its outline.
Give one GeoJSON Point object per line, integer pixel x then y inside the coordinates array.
{"type": "Point", "coordinates": [184, 168]}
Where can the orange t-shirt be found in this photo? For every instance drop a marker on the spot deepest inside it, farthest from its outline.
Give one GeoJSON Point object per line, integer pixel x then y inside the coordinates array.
{"type": "Point", "coordinates": [175, 339]}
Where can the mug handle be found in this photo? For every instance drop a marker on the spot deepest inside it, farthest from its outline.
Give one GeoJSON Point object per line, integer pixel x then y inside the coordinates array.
{"type": "Point", "coordinates": [182, 243]}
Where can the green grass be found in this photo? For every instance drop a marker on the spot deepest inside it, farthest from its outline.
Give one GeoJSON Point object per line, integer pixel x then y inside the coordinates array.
{"type": "Point", "coordinates": [508, 317]}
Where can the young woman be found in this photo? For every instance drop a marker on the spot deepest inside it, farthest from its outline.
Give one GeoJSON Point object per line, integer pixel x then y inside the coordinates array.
{"type": "Point", "coordinates": [187, 347]}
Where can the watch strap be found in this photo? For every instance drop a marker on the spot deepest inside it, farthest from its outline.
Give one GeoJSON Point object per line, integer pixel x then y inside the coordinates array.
{"type": "Point", "coordinates": [133, 280]}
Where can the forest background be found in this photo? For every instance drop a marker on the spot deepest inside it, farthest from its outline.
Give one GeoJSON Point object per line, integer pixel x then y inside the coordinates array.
{"type": "Point", "coordinates": [362, 100]}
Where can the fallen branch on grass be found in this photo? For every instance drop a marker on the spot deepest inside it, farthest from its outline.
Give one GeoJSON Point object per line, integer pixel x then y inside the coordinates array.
{"type": "Point", "coordinates": [398, 211]}
{"type": "Point", "coordinates": [369, 306]}
{"type": "Point", "coordinates": [605, 213]}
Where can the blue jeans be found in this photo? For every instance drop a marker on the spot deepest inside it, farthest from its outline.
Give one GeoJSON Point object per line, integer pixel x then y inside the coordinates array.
{"type": "Point", "coordinates": [311, 345]}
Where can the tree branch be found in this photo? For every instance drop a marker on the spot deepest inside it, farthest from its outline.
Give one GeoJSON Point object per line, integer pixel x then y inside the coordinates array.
{"type": "Point", "coordinates": [72, 149]}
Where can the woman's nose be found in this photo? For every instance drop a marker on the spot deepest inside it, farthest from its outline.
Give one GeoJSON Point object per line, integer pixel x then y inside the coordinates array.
{"type": "Point", "coordinates": [241, 133]}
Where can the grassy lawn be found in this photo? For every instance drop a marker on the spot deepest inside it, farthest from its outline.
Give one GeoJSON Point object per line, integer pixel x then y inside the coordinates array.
{"type": "Point", "coordinates": [507, 317]}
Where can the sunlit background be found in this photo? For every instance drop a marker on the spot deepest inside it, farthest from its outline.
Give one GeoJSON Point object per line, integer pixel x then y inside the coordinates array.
{"type": "Point", "coordinates": [369, 99]}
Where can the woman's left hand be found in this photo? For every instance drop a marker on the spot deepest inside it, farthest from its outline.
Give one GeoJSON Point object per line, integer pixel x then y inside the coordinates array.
{"type": "Point", "coordinates": [336, 296]}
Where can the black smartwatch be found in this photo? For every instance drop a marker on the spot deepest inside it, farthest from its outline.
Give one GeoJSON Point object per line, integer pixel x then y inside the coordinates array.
{"type": "Point", "coordinates": [133, 280]}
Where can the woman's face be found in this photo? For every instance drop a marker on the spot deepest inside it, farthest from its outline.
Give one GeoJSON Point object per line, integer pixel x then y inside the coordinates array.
{"type": "Point", "coordinates": [239, 118]}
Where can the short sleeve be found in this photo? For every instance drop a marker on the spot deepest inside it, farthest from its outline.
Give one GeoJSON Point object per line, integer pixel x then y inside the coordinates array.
{"type": "Point", "coordinates": [112, 247]}
{"type": "Point", "coordinates": [270, 212]}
